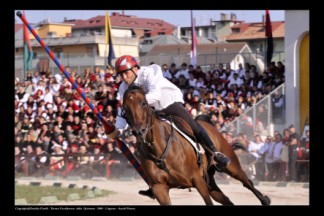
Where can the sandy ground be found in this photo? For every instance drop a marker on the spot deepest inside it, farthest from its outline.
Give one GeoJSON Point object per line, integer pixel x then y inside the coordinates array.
{"type": "Point", "coordinates": [126, 193]}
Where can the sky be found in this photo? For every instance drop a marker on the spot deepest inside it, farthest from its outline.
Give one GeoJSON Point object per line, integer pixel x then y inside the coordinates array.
{"type": "Point", "coordinates": [175, 17]}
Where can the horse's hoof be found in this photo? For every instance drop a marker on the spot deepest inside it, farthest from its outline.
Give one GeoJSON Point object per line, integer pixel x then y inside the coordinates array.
{"type": "Point", "coordinates": [266, 200]}
{"type": "Point", "coordinates": [148, 193]}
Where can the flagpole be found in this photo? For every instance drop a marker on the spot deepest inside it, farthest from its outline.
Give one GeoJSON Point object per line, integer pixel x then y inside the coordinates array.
{"type": "Point", "coordinates": [24, 52]}
{"type": "Point", "coordinates": [265, 44]}
{"type": "Point", "coordinates": [109, 39]}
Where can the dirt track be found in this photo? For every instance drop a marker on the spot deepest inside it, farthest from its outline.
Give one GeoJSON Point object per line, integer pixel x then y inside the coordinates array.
{"type": "Point", "coordinates": [126, 193]}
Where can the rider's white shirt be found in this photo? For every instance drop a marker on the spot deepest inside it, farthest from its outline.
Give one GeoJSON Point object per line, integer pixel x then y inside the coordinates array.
{"type": "Point", "coordinates": [160, 92]}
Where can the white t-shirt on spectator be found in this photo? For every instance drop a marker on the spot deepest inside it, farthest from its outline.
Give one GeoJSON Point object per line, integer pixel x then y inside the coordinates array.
{"type": "Point", "coordinates": [48, 98]}
{"type": "Point", "coordinates": [182, 72]}
{"type": "Point", "coordinates": [167, 74]}
{"type": "Point", "coordinates": [254, 148]}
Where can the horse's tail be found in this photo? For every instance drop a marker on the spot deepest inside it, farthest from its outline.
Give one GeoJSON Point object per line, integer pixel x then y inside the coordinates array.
{"type": "Point", "coordinates": [237, 146]}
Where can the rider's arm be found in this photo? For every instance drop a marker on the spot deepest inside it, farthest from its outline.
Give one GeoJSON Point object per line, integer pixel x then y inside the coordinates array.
{"type": "Point", "coordinates": [153, 76]}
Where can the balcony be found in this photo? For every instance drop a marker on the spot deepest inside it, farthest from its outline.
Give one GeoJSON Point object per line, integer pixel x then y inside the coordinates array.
{"type": "Point", "coordinates": [88, 39]}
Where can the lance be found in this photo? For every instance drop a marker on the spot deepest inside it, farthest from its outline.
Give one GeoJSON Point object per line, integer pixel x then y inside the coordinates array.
{"type": "Point", "coordinates": [121, 145]}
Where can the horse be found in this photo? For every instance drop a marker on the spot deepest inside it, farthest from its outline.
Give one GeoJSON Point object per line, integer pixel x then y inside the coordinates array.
{"type": "Point", "coordinates": [169, 161]}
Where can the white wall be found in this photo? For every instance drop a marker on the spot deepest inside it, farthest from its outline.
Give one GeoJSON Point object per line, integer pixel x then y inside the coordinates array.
{"type": "Point", "coordinates": [121, 32]}
{"type": "Point", "coordinates": [297, 25]}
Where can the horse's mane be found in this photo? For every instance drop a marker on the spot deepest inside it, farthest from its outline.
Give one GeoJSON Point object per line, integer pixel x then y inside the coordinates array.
{"type": "Point", "coordinates": [133, 88]}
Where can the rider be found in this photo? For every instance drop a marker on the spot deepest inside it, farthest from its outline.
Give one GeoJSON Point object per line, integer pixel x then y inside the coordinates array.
{"type": "Point", "coordinates": [164, 96]}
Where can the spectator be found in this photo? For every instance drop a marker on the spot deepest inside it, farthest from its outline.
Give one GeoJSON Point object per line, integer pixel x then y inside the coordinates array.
{"type": "Point", "coordinates": [166, 72]}
{"type": "Point", "coordinates": [57, 159]}
{"type": "Point", "coordinates": [279, 165]}
{"type": "Point", "coordinates": [278, 108]}
{"type": "Point", "coordinates": [267, 151]}
{"type": "Point", "coordinates": [293, 152]}
{"type": "Point", "coordinates": [21, 96]}
{"type": "Point", "coordinates": [183, 71]}
{"type": "Point", "coordinates": [40, 160]}
{"type": "Point", "coordinates": [303, 154]}
{"type": "Point", "coordinates": [254, 148]}
{"type": "Point", "coordinates": [241, 71]}
{"type": "Point", "coordinates": [192, 80]}
{"type": "Point", "coordinates": [19, 160]}
{"type": "Point", "coordinates": [192, 111]}
{"type": "Point", "coordinates": [97, 160]}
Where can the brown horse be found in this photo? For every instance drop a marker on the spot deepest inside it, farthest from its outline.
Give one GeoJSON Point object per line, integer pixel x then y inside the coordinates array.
{"type": "Point", "coordinates": [170, 161]}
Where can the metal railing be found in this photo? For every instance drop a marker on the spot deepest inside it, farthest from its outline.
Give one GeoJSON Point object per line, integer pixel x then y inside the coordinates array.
{"type": "Point", "coordinates": [263, 118]}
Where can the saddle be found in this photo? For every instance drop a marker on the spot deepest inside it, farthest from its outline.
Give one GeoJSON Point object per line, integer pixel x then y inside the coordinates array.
{"type": "Point", "coordinates": [179, 122]}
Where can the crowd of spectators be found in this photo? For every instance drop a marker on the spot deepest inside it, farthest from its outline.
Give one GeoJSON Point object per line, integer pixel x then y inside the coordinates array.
{"type": "Point", "coordinates": [281, 157]}
{"type": "Point", "coordinates": [52, 120]}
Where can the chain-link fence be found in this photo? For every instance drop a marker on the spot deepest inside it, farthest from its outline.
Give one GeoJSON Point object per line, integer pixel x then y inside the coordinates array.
{"type": "Point", "coordinates": [264, 118]}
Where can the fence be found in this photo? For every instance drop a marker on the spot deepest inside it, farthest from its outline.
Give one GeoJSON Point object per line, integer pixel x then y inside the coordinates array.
{"type": "Point", "coordinates": [81, 62]}
{"type": "Point", "coordinates": [264, 117]}
{"type": "Point", "coordinates": [83, 165]}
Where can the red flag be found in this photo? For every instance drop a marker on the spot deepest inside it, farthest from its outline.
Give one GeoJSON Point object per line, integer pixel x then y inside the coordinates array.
{"type": "Point", "coordinates": [268, 34]}
{"type": "Point", "coordinates": [194, 42]}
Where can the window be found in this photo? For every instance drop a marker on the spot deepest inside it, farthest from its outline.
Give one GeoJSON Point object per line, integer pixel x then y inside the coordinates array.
{"type": "Point", "coordinates": [89, 50]}
{"type": "Point", "coordinates": [236, 30]}
{"type": "Point", "coordinates": [58, 51]}
{"type": "Point", "coordinates": [51, 34]}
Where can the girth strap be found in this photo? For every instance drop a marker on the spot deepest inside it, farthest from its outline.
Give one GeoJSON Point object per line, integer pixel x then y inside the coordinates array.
{"type": "Point", "coordinates": [160, 161]}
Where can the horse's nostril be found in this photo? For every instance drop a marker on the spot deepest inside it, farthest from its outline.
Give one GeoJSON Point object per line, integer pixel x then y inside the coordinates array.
{"type": "Point", "coordinates": [136, 132]}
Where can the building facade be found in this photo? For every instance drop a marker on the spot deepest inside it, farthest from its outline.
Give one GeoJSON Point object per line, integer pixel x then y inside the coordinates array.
{"type": "Point", "coordinates": [297, 68]}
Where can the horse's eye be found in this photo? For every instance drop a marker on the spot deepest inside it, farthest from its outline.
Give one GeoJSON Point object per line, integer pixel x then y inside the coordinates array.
{"type": "Point", "coordinates": [144, 104]}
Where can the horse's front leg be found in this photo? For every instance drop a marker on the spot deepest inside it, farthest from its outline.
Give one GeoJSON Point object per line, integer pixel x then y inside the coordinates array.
{"type": "Point", "coordinates": [161, 192]}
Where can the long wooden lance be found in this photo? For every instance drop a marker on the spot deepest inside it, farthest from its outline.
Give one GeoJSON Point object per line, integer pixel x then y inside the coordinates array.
{"type": "Point", "coordinates": [110, 128]}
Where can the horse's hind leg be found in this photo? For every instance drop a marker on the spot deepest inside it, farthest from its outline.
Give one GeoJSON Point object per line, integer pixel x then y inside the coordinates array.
{"type": "Point", "coordinates": [216, 193]}
{"type": "Point", "coordinates": [161, 192]}
{"type": "Point", "coordinates": [202, 188]}
{"type": "Point", "coordinates": [239, 174]}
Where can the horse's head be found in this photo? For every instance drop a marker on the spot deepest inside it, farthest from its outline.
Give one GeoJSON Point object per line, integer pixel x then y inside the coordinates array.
{"type": "Point", "coordinates": [137, 111]}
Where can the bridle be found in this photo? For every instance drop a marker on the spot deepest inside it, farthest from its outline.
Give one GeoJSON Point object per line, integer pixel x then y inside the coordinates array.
{"type": "Point", "coordinates": [142, 135]}
{"type": "Point", "coordinates": [145, 139]}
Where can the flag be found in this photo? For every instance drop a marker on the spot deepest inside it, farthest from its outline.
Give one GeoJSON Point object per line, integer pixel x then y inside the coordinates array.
{"type": "Point", "coordinates": [111, 53]}
{"type": "Point", "coordinates": [28, 53]}
{"type": "Point", "coordinates": [268, 34]}
{"type": "Point", "coordinates": [193, 53]}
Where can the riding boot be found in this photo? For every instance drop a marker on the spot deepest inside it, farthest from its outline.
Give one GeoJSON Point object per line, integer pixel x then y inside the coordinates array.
{"type": "Point", "coordinates": [221, 160]}
{"type": "Point", "coordinates": [148, 193]}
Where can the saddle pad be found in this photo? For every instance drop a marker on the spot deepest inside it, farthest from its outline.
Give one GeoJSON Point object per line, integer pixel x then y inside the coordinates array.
{"type": "Point", "coordinates": [202, 151]}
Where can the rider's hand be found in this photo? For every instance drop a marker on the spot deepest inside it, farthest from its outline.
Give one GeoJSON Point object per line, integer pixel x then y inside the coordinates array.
{"type": "Point", "coordinates": [110, 130]}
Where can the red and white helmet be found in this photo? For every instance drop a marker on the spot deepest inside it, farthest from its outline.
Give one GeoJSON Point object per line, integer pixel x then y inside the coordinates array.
{"type": "Point", "coordinates": [125, 63]}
